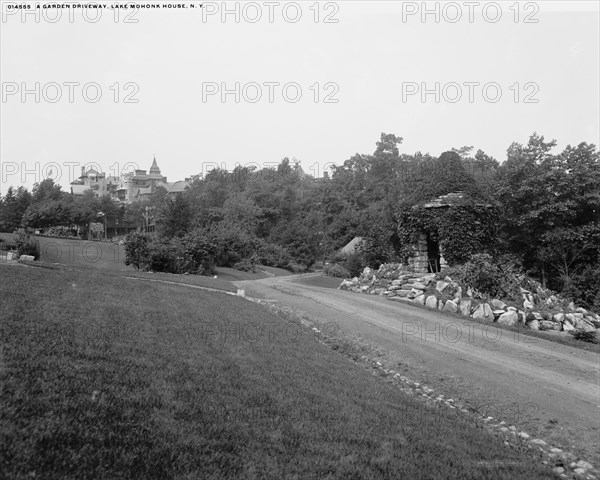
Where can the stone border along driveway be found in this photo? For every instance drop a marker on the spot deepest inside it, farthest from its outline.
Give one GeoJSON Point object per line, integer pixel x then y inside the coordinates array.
{"type": "Point", "coordinates": [576, 468]}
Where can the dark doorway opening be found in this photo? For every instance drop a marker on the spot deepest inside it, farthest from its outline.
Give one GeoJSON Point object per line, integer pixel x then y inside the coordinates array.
{"type": "Point", "coordinates": [433, 254]}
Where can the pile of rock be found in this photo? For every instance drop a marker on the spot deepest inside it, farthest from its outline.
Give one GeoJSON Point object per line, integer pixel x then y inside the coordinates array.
{"type": "Point", "coordinates": [539, 309]}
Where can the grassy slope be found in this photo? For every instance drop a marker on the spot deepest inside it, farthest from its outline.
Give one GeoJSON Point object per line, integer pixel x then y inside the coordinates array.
{"type": "Point", "coordinates": [104, 377]}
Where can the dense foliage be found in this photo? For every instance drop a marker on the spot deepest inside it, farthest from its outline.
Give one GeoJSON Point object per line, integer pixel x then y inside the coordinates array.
{"type": "Point", "coordinates": [27, 245]}
{"type": "Point", "coordinates": [539, 205]}
{"type": "Point", "coordinates": [495, 277]}
{"type": "Point", "coordinates": [463, 230]}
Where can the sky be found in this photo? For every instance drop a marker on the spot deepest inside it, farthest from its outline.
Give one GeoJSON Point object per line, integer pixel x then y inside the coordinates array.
{"type": "Point", "coordinates": [201, 85]}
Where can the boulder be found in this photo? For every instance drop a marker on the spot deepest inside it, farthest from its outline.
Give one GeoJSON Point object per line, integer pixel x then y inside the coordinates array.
{"type": "Point", "coordinates": [458, 295]}
{"type": "Point", "coordinates": [508, 318]}
{"type": "Point", "coordinates": [498, 304]}
{"type": "Point", "coordinates": [497, 313]}
{"type": "Point", "coordinates": [534, 316]}
{"type": "Point", "coordinates": [451, 306]}
{"type": "Point", "coordinates": [431, 301]}
{"type": "Point", "coordinates": [530, 298]}
{"type": "Point", "coordinates": [419, 286]}
{"type": "Point", "coordinates": [420, 299]}
{"type": "Point", "coordinates": [527, 305]}
{"type": "Point", "coordinates": [549, 325]}
{"type": "Point", "coordinates": [27, 258]}
{"type": "Point", "coordinates": [592, 319]}
{"type": "Point", "coordinates": [533, 324]}
{"type": "Point", "coordinates": [567, 326]}
{"type": "Point", "coordinates": [465, 307]}
{"type": "Point", "coordinates": [478, 312]}
{"type": "Point", "coordinates": [581, 310]}
{"type": "Point", "coordinates": [484, 312]}
{"type": "Point", "coordinates": [511, 309]}
{"type": "Point", "coordinates": [584, 326]}
{"type": "Point", "coordinates": [441, 285]}
{"type": "Point", "coordinates": [559, 317]}
{"type": "Point", "coordinates": [403, 293]}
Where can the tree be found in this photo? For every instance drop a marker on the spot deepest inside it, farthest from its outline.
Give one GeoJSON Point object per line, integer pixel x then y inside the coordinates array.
{"type": "Point", "coordinates": [463, 152]}
{"type": "Point", "coordinates": [561, 248]}
{"type": "Point", "coordinates": [175, 217]}
{"type": "Point", "coordinates": [542, 193]}
{"type": "Point", "coordinates": [528, 202]}
{"type": "Point", "coordinates": [12, 207]}
{"type": "Point", "coordinates": [241, 211]}
{"type": "Point", "coordinates": [47, 190]}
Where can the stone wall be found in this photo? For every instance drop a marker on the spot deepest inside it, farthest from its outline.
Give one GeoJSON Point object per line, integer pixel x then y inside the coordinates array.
{"type": "Point", "coordinates": [538, 308]}
{"type": "Point", "coordinates": [419, 262]}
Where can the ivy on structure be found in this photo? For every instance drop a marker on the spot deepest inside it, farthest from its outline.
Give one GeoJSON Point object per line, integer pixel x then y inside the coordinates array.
{"type": "Point", "coordinates": [462, 229]}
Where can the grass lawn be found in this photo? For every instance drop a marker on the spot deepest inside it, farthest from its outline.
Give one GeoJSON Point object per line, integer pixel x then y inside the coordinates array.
{"type": "Point", "coordinates": [197, 280]}
{"type": "Point", "coordinates": [105, 377]}
{"type": "Point", "coordinates": [233, 275]}
{"type": "Point", "coordinates": [79, 254]}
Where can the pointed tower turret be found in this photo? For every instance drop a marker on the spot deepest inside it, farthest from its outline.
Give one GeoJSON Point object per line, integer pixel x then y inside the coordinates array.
{"type": "Point", "coordinates": [154, 169]}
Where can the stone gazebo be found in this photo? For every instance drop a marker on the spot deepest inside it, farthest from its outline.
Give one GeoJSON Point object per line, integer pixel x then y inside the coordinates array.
{"type": "Point", "coordinates": [428, 256]}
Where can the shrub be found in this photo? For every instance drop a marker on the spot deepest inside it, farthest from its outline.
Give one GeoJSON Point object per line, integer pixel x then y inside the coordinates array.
{"type": "Point", "coordinates": [27, 245]}
{"type": "Point", "coordinates": [234, 244]}
{"type": "Point", "coordinates": [355, 263]}
{"type": "Point", "coordinates": [246, 265]}
{"type": "Point", "coordinates": [137, 250]}
{"type": "Point", "coordinates": [198, 253]}
{"type": "Point", "coordinates": [7, 246]}
{"type": "Point", "coordinates": [60, 231]}
{"type": "Point", "coordinates": [590, 337]}
{"type": "Point", "coordinates": [337, 270]}
{"type": "Point", "coordinates": [274, 255]}
{"type": "Point", "coordinates": [584, 288]}
{"type": "Point", "coordinates": [297, 268]}
{"type": "Point", "coordinates": [495, 277]}
{"type": "Point", "coordinates": [194, 253]}
{"type": "Point", "coordinates": [162, 258]}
